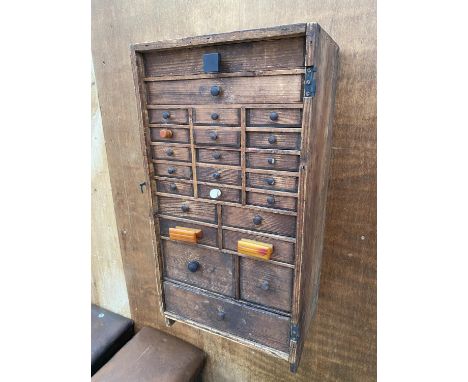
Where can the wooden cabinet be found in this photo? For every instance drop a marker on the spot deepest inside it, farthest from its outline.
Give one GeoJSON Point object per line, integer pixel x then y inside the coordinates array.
{"type": "Point", "coordinates": [239, 153]}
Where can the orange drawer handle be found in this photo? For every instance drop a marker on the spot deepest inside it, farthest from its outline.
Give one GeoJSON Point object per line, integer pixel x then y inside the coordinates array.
{"type": "Point", "coordinates": [190, 235]}
{"type": "Point", "coordinates": [165, 133]}
{"type": "Point", "coordinates": [255, 248]}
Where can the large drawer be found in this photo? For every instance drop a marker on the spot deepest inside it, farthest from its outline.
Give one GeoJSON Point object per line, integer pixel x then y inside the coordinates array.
{"type": "Point", "coordinates": [209, 269]}
{"type": "Point", "coordinates": [228, 316]}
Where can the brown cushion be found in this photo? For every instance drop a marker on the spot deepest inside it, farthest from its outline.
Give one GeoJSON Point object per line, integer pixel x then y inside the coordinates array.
{"type": "Point", "coordinates": [152, 355]}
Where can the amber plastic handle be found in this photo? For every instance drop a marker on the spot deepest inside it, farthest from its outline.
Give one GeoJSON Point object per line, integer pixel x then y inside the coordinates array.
{"type": "Point", "coordinates": [190, 235]}
{"type": "Point", "coordinates": [255, 248]}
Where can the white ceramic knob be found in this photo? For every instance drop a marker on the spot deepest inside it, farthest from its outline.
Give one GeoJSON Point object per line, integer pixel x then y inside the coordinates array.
{"type": "Point", "coordinates": [215, 193]}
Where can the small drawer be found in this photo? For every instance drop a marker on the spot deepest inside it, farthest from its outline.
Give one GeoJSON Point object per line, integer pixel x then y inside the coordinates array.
{"type": "Point", "coordinates": [272, 201]}
{"type": "Point", "coordinates": [173, 171]}
{"type": "Point", "coordinates": [205, 268]}
{"type": "Point", "coordinates": [228, 316]}
{"type": "Point", "coordinates": [272, 140]}
{"type": "Point", "coordinates": [224, 117]}
{"type": "Point", "coordinates": [176, 153]}
{"type": "Point", "coordinates": [179, 135]}
{"type": "Point", "coordinates": [217, 137]}
{"type": "Point", "coordinates": [274, 117]}
{"type": "Point", "coordinates": [189, 209]}
{"type": "Point", "coordinates": [227, 194]}
{"type": "Point", "coordinates": [219, 175]}
{"type": "Point", "coordinates": [178, 188]}
{"type": "Point", "coordinates": [218, 156]}
{"type": "Point", "coordinates": [169, 116]}
{"type": "Point", "coordinates": [282, 250]}
{"type": "Point", "coordinates": [266, 284]}
{"type": "Point", "coordinates": [209, 237]}
{"type": "Point", "coordinates": [259, 221]}
{"type": "Point", "coordinates": [272, 182]}
{"type": "Point", "coordinates": [268, 161]}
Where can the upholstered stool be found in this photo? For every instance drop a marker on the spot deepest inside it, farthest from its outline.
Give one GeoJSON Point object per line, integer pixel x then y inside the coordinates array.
{"type": "Point", "coordinates": [109, 332]}
{"type": "Point", "coordinates": [153, 356]}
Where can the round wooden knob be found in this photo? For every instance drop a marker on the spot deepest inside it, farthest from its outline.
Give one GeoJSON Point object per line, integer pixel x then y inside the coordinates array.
{"type": "Point", "coordinates": [257, 219]}
{"type": "Point", "coordinates": [213, 135]}
{"type": "Point", "coordinates": [214, 116]}
{"type": "Point", "coordinates": [265, 285]}
{"type": "Point", "coordinates": [274, 116]}
{"type": "Point", "coordinates": [184, 208]}
{"type": "Point", "coordinates": [215, 90]}
{"type": "Point", "coordinates": [271, 200]}
{"type": "Point", "coordinates": [216, 156]}
{"type": "Point", "coordinates": [272, 139]}
{"type": "Point", "coordinates": [270, 181]}
{"type": "Point", "coordinates": [221, 316]}
{"type": "Point", "coordinates": [193, 266]}
{"type": "Point", "coordinates": [169, 152]}
{"type": "Point", "coordinates": [166, 115]}
{"type": "Point", "coordinates": [165, 133]}
{"type": "Point", "coordinates": [173, 187]}
{"type": "Point", "coordinates": [171, 170]}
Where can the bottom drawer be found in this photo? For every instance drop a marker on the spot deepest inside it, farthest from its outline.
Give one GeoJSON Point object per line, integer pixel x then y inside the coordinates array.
{"type": "Point", "coordinates": [240, 320]}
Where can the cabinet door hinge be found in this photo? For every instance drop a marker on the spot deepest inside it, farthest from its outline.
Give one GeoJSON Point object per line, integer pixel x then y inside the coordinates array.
{"type": "Point", "coordinates": [310, 84]}
{"type": "Point", "coordinates": [294, 335]}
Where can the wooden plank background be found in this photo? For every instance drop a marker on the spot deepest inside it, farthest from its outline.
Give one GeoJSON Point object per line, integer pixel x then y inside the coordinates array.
{"type": "Point", "coordinates": [341, 345]}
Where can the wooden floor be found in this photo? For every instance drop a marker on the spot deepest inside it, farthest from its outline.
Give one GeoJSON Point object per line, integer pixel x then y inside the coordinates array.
{"type": "Point", "coordinates": [341, 345]}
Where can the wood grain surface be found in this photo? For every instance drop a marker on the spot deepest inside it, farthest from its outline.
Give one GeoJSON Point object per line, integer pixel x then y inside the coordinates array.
{"type": "Point", "coordinates": [341, 344]}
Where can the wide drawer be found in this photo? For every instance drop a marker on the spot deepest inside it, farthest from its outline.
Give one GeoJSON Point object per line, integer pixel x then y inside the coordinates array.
{"type": "Point", "coordinates": [216, 116]}
{"type": "Point", "coordinates": [170, 187]}
{"type": "Point", "coordinates": [189, 209]}
{"type": "Point", "coordinates": [205, 268]}
{"type": "Point", "coordinates": [228, 316]}
{"type": "Point", "coordinates": [270, 161]}
{"type": "Point", "coordinates": [169, 116]}
{"type": "Point", "coordinates": [209, 237]}
{"type": "Point", "coordinates": [172, 170]}
{"type": "Point", "coordinates": [272, 140]}
{"type": "Point", "coordinates": [272, 201]}
{"type": "Point", "coordinates": [179, 134]}
{"type": "Point", "coordinates": [218, 156]}
{"type": "Point", "coordinates": [234, 90]}
{"type": "Point", "coordinates": [217, 136]}
{"type": "Point", "coordinates": [266, 284]}
{"type": "Point", "coordinates": [176, 153]}
{"type": "Point", "coordinates": [282, 250]}
{"type": "Point", "coordinates": [219, 175]}
{"type": "Point", "coordinates": [259, 220]}
{"type": "Point", "coordinates": [272, 182]}
{"type": "Point", "coordinates": [274, 117]}
{"type": "Point", "coordinates": [227, 194]}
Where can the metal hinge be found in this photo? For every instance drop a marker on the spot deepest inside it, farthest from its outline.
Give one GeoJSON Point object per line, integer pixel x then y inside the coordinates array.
{"type": "Point", "coordinates": [310, 84]}
{"type": "Point", "coordinates": [294, 335]}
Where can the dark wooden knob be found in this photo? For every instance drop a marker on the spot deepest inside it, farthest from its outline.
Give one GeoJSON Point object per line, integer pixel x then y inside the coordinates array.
{"type": "Point", "coordinates": [169, 152]}
{"type": "Point", "coordinates": [216, 156]}
{"type": "Point", "coordinates": [193, 266]}
{"type": "Point", "coordinates": [221, 316]}
{"type": "Point", "coordinates": [272, 139]}
{"type": "Point", "coordinates": [184, 207]}
{"type": "Point", "coordinates": [214, 116]}
{"type": "Point", "coordinates": [271, 160]}
{"type": "Point", "coordinates": [166, 114]}
{"type": "Point", "coordinates": [265, 285]}
{"type": "Point", "coordinates": [164, 133]}
{"type": "Point", "coordinates": [215, 90]}
{"type": "Point", "coordinates": [213, 135]}
{"type": "Point", "coordinates": [274, 116]}
{"type": "Point", "coordinates": [270, 181]}
{"type": "Point", "coordinates": [257, 219]}
{"type": "Point", "coordinates": [173, 187]}
{"type": "Point", "coordinates": [271, 200]}
{"type": "Point", "coordinates": [216, 175]}
{"type": "Point", "coordinates": [171, 170]}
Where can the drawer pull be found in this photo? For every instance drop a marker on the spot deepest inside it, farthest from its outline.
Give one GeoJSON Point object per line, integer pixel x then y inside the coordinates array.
{"type": "Point", "coordinates": [214, 116]}
{"type": "Point", "coordinates": [265, 285]}
{"type": "Point", "coordinates": [171, 170]}
{"type": "Point", "coordinates": [255, 248]}
{"type": "Point", "coordinates": [184, 207]}
{"type": "Point", "coordinates": [169, 152]}
{"type": "Point", "coordinates": [215, 90]}
{"type": "Point", "coordinates": [274, 116]}
{"type": "Point", "coordinates": [270, 181]}
{"type": "Point", "coordinates": [217, 156]}
{"type": "Point", "coordinates": [164, 133]}
{"type": "Point", "coordinates": [221, 316]}
{"type": "Point", "coordinates": [271, 200]}
{"type": "Point", "coordinates": [173, 187]}
{"type": "Point", "coordinates": [213, 135]}
{"type": "Point", "coordinates": [215, 193]}
{"type": "Point", "coordinates": [193, 266]}
{"type": "Point", "coordinates": [271, 139]}
{"type": "Point", "coordinates": [166, 115]}
{"type": "Point", "coordinates": [216, 175]}
{"type": "Point", "coordinates": [257, 220]}
{"type": "Point", "coordinates": [190, 235]}
{"type": "Point", "coordinates": [271, 160]}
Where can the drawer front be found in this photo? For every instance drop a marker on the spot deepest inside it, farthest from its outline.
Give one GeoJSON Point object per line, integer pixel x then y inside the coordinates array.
{"type": "Point", "coordinates": [219, 175]}
{"type": "Point", "coordinates": [176, 153]}
{"type": "Point", "coordinates": [217, 137]}
{"type": "Point", "coordinates": [173, 171]}
{"type": "Point", "coordinates": [285, 53]}
{"type": "Point", "coordinates": [173, 116]}
{"type": "Point", "coordinates": [266, 284]}
{"type": "Point", "coordinates": [235, 318]}
{"type": "Point", "coordinates": [178, 188]}
{"type": "Point", "coordinates": [179, 135]}
{"type": "Point", "coordinates": [273, 161]}
{"type": "Point", "coordinates": [209, 237]}
{"type": "Point", "coordinates": [274, 117]}
{"type": "Point", "coordinates": [282, 250]}
{"type": "Point", "coordinates": [272, 140]}
{"type": "Point", "coordinates": [260, 89]}
{"type": "Point", "coordinates": [189, 209]}
{"type": "Point", "coordinates": [218, 156]}
{"type": "Point", "coordinates": [215, 116]}
{"type": "Point", "coordinates": [272, 182]}
{"type": "Point", "coordinates": [227, 194]}
{"type": "Point", "coordinates": [272, 201]}
{"type": "Point", "coordinates": [259, 221]}
{"type": "Point", "coordinates": [209, 269]}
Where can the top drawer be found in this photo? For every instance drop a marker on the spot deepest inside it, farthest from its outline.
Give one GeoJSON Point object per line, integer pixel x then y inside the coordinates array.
{"type": "Point", "coordinates": [287, 53]}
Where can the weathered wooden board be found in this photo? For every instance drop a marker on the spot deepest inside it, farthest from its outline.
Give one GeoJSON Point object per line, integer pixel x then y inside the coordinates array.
{"type": "Point", "coordinates": [341, 344]}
